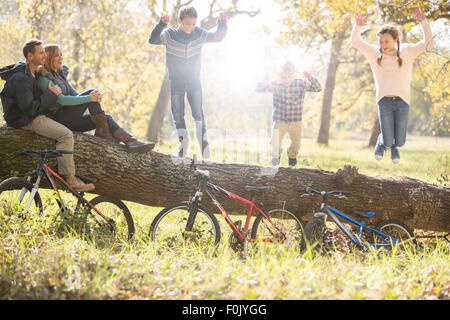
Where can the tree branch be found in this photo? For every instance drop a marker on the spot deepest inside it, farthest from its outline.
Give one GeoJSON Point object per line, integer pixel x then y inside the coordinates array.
{"type": "Point", "coordinates": [210, 21]}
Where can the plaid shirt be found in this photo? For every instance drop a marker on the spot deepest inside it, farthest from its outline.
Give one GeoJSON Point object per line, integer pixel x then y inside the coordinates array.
{"type": "Point", "coordinates": [288, 100]}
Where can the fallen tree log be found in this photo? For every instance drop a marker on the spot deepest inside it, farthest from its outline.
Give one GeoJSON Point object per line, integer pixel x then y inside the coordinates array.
{"type": "Point", "coordinates": [157, 179]}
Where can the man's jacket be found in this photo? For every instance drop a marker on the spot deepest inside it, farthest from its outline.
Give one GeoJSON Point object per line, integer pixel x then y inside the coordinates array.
{"type": "Point", "coordinates": [21, 98]}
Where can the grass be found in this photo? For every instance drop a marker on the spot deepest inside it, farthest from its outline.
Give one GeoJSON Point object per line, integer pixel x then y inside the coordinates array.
{"type": "Point", "coordinates": [38, 261]}
{"type": "Point", "coordinates": [423, 158]}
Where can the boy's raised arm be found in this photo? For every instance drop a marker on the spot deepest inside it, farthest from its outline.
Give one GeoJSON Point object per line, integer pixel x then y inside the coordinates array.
{"type": "Point", "coordinates": [314, 84]}
{"type": "Point", "coordinates": [155, 35]}
{"type": "Point", "coordinates": [264, 86]}
{"type": "Point", "coordinates": [221, 31]}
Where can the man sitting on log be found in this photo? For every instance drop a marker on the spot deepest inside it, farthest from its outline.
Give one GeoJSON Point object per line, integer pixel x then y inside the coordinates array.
{"type": "Point", "coordinates": [24, 106]}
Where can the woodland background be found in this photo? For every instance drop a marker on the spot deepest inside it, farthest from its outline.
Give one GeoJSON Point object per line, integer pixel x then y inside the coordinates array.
{"type": "Point", "coordinates": [104, 43]}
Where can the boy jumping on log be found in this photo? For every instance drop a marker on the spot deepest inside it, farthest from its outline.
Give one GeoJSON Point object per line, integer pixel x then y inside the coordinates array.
{"type": "Point", "coordinates": [183, 58]}
{"type": "Point", "coordinates": [288, 97]}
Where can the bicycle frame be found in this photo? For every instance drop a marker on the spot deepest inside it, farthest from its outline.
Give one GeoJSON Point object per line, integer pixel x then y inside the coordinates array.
{"type": "Point", "coordinates": [43, 169]}
{"type": "Point", "coordinates": [203, 187]}
{"type": "Point", "coordinates": [332, 212]}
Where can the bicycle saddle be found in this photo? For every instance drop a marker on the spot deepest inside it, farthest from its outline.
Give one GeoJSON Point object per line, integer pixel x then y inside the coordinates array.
{"type": "Point", "coordinates": [254, 188]}
{"type": "Point", "coordinates": [363, 214]}
{"type": "Point", "coordinates": [56, 153]}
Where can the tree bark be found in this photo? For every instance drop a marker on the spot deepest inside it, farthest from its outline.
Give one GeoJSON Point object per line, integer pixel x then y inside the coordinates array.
{"type": "Point", "coordinates": [158, 179]}
{"type": "Point", "coordinates": [324, 131]}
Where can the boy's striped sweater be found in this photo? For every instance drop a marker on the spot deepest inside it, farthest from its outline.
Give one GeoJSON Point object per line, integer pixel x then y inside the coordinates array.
{"type": "Point", "coordinates": [183, 51]}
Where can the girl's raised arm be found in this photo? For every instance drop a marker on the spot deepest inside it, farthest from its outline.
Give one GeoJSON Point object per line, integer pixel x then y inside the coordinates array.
{"type": "Point", "coordinates": [419, 47]}
{"type": "Point", "coordinates": [367, 49]}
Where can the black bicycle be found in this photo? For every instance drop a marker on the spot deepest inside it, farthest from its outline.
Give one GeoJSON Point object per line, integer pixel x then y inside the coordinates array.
{"type": "Point", "coordinates": [386, 234]}
{"type": "Point", "coordinates": [105, 215]}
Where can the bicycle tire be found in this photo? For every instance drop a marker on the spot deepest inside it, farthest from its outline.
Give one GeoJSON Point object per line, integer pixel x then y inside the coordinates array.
{"type": "Point", "coordinates": [9, 194]}
{"type": "Point", "coordinates": [284, 218]}
{"type": "Point", "coordinates": [397, 230]}
{"type": "Point", "coordinates": [115, 209]}
{"type": "Point", "coordinates": [162, 229]}
{"type": "Point", "coordinates": [313, 237]}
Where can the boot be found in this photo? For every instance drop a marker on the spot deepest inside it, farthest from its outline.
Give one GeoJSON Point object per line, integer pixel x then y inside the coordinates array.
{"type": "Point", "coordinates": [79, 185]}
{"type": "Point", "coordinates": [102, 128]}
{"type": "Point", "coordinates": [131, 142]}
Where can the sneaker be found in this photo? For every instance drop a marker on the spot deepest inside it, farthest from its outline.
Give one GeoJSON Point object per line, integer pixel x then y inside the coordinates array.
{"type": "Point", "coordinates": [205, 149]}
{"type": "Point", "coordinates": [379, 150]}
{"type": "Point", "coordinates": [395, 154]}
{"type": "Point", "coordinates": [292, 163]}
{"type": "Point", "coordinates": [275, 162]}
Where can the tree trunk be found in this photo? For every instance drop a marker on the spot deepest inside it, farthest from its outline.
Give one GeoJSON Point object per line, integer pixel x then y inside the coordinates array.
{"type": "Point", "coordinates": [324, 131]}
{"type": "Point", "coordinates": [76, 54]}
{"type": "Point", "coordinates": [159, 111]}
{"type": "Point", "coordinates": [376, 130]}
{"type": "Point", "coordinates": [158, 179]}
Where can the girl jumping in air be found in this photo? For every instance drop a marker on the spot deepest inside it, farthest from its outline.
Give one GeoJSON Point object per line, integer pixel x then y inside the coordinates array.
{"type": "Point", "coordinates": [391, 63]}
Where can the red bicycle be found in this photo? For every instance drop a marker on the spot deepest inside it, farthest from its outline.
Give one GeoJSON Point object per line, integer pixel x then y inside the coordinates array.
{"type": "Point", "coordinates": [104, 216]}
{"type": "Point", "coordinates": [191, 222]}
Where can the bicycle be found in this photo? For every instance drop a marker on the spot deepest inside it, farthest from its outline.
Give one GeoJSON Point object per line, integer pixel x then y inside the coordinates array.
{"type": "Point", "coordinates": [387, 233]}
{"type": "Point", "coordinates": [191, 222]}
{"type": "Point", "coordinates": [106, 214]}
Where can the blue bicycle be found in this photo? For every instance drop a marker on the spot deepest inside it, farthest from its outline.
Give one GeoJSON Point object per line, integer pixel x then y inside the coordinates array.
{"type": "Point", "coordinates": [387, 233]}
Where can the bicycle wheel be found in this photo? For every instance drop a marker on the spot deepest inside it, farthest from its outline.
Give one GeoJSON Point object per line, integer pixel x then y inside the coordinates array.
{"type": "Point", "coordinates": [286, 220]}
{"type": "Point", "coordinates": [396, 230]}
{"type": "Point", "coordinates": [169, 227]}
{"type": "Point", "coordinates": [314, 235]}
{"type": "Point", "coordinates": [15, 194]}
{"type": "Point", "coordinates": [118, 224]}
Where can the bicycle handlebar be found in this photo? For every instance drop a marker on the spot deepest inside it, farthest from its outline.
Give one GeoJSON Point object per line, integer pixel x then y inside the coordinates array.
{"type": "Point", "coordinates": [310, 191]}
{"type": "Point", "coordinates": [42, 153]}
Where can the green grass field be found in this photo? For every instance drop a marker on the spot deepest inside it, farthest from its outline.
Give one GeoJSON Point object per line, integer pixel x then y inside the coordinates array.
{"type": "Point", "coordinates": [423, 158]}
{"type": "Point", "coordinates": [39, 260]}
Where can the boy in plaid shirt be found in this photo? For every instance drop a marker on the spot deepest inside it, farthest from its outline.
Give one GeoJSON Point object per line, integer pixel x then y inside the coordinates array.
{"type": "Point", "coordinates": [288, 96]}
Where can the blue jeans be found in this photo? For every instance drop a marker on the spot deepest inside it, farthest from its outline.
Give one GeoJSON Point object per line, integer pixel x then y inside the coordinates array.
{"type": "Point", "coordinates": [195, 98]}
{"type": "Point", "coordinates": [393, 114]}
{"type": "Point", "coordinates": [73, 117]}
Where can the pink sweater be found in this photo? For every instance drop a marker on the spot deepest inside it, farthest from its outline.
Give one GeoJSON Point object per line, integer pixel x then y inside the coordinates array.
{"type": "Point", "coordinates": [389, 78]}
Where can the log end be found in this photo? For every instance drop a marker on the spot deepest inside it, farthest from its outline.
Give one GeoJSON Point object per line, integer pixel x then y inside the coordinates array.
{"type": "Point", "coordinates": [346, 176]}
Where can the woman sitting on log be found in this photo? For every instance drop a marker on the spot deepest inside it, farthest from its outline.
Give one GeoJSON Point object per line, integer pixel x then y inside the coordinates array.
{"type": "Point", "coordinates": [70, 107]}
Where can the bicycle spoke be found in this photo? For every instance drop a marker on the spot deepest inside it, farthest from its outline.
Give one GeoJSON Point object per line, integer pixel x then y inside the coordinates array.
{"type": "Point", "coordinates": [169, 228]}
{"type": "Point", "coordinates": [398, 234]}
{"type": "Point", "coordinates": [284, 227]}
{"type": "Point", "coordinates": [16, 197]}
